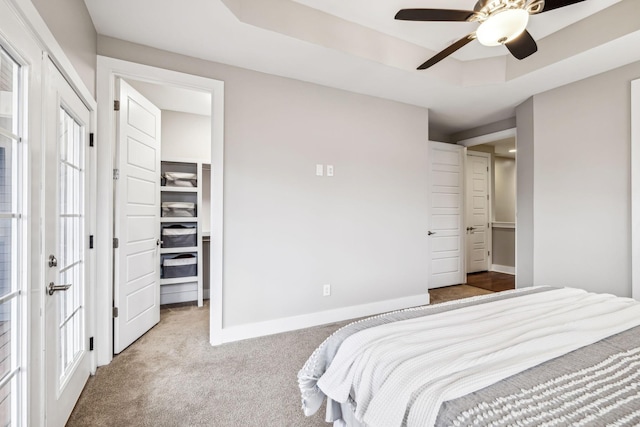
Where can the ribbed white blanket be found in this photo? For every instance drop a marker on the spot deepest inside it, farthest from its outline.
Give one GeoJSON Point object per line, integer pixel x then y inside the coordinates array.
{"type": "Point", "coordinates": [401, 372]}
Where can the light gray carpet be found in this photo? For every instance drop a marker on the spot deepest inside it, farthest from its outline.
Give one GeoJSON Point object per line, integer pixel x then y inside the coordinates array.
{"type": "Point", "coordinates": [173, 377]}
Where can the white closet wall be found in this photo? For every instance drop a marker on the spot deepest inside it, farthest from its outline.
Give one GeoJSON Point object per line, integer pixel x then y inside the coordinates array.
{"type": "Point", "coordinates": [187, 137]}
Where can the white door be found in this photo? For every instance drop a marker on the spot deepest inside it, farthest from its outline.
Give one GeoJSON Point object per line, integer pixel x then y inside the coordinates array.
{"type": "Point", "coordinates": [477, 211]}
{"type": "Point", "coordinates": [66, 242]}
{"type": "Point", "coordinates": [137, 218]}
{"type": "Point", "coordinates": [446, 167]}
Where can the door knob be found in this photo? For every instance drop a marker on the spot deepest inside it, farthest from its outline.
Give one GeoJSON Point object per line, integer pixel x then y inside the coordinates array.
{"type": "Point", "coordinates": [429, 233]}
{"type": "Point", "coordinates": [54, 288]}
{"type": "Point", "coordinates": [470, 228]}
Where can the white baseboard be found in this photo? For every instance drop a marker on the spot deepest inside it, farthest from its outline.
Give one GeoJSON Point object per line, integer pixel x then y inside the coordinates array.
{"type": "Point", "coordinates": [503, 269]}
{"type": "Point", "coordinates": [286, 324]}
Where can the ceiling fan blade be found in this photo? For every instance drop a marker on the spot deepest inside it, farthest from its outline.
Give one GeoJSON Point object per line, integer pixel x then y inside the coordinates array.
{"type": "Point", "coordinates": [433, 15]}
{"type": "Point", "coordinates": [446, 52]}
{"type": "Point", "coordinates": [556, 4]}
{"type": "Point", "coordinates": [522, 46]}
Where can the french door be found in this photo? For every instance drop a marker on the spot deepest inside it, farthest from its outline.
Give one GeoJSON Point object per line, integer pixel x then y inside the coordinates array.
{"type": "Point", "coordinates": [67, 363]}
{"type": "Point", "coordinates": [12, 239]}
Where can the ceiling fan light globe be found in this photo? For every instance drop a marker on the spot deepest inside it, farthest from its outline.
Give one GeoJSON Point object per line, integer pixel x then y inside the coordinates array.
{"type": "Point", "coordinates": [502, 27]}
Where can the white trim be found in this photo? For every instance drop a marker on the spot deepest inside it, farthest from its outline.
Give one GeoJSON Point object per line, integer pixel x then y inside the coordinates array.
{"type": "Point", "coordinates": [108, 70]}
{"type": "Point", "coordinates": [286, 324]}
{"type": "Point", "coordinates": [507, 269]}
{"type": "Point", "coordinates": [635, 189]}
{"type": "Point", "coordinates": [490, 137]}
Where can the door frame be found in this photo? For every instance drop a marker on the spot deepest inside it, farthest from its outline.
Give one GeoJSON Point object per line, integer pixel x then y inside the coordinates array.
{"type": "Point", "coordinates": [635, 189]}
{"type": "Point", "coordinates": [108, 70]}
{"type": "Point", "coordinates": [488, 156]}
{"type": "Point", "coordinates": [483, 139]}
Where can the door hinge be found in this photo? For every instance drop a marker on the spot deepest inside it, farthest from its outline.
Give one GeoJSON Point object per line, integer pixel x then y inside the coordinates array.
{"type": "Point", "coordinates": [116, 105]}
{"type": "Point", "coordinates": [91, 344]}
{"type": "Point", "coordinates": [488, 253]}
{"type": "Point", "coordinates": [91, 139]}
{"type": "Point", "coordinates": [116, 243]}
{"type": "Point", "coordinates": [487, 168]}
{"type": "Point", "coordinates": [487, 197]}
{"type": "Point", "coordinates": [91, 242]}
{"type": "Point", "coordinates": [115, 311]}
{"type": "Point", "coordinates": [116, 174]}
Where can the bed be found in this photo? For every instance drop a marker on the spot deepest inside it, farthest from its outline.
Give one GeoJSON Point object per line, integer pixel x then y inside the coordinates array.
{"type": "Point", "coordinates": [535, 356]}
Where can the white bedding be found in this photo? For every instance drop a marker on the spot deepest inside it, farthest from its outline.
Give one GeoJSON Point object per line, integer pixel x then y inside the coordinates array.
{"type": "Point", "coordinates": [401, 372]}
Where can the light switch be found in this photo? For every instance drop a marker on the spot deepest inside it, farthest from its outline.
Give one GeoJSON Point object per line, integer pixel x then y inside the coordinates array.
{"type": "Point", "coordinates": [329, 170]}
{"type": "Point", "coordinates": [319, 170]}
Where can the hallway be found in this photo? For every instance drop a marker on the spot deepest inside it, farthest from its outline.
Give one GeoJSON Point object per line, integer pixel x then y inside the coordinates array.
{"type": "Point", "coordinates": [482, 283]}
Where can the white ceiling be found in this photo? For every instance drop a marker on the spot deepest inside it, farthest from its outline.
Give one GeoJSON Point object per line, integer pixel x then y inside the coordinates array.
{"type": "Point", "coordinates": [356, 45]}
{"type": "Point", "coordinates": [503, 147]}
{"type": "Point", "coordinates": [172, 98]}
{"type": "Point", "coordinates": [438, 35]}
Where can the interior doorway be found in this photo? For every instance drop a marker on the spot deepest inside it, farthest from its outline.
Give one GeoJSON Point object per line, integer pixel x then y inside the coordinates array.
{"type": "Point", "coordinates": [491, 255]}
{"type": "Point", "coordinates": [161, 87]}
{"type": "Point", "coordinates": [163, 145]}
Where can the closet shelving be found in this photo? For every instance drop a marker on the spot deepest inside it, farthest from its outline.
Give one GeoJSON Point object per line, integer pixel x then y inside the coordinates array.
{"type": "Point", "coordinates": [190, 287]}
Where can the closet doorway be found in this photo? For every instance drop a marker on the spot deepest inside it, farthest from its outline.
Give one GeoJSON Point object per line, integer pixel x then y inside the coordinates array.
{"type": "Point", "coordinates": [162, 146]}
{"type": "Point", "coordinates": [191, 138]}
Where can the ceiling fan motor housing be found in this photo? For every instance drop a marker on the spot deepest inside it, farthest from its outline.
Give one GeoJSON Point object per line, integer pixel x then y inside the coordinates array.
{"type": "Point", "coordinates": [501, 21]}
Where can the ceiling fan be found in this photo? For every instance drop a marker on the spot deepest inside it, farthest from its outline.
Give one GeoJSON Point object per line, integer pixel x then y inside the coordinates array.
{"type": "Point", "coordinates": [501, 22]}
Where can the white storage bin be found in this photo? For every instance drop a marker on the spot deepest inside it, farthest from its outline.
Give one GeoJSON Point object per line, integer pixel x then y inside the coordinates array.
{"type": "Point", "coordinates": [184, 265]}
{"type": "Point", "coordinates": [179, 236]}
{"type": "Point", "coordinates": [178, 209]}
{"type": "Point", "coordinates": [181, 179]}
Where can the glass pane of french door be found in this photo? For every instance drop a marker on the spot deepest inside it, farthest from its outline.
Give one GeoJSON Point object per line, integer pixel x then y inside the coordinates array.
{"type": "Point", "coordinates": [11, 239]}
{"type": "Point", "coordinates": [70, 240]}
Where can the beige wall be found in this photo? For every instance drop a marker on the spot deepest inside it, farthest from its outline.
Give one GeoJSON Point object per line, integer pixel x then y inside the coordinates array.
{"type": "Point", "coordinates": [287, 231]}
{"type": "Point", "coordinates": [71, 25]}
{"type": "Point", "coordinates": [581, 186]}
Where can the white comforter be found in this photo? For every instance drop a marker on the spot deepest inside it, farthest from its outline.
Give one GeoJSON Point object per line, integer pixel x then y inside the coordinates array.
{"type": "Point", "coordinates": [401, 372]}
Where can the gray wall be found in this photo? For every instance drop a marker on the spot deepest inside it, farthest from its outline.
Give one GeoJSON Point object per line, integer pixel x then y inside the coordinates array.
{"type": "Point", "coordinates": [71, 25]}
{"type": "Point", "coordinates": [581, 185]}
{"type": "Point", "coordinates": [504, 246]}
{"type": "Point", "coordinates": [501, 125]}
{"type": "Point", "coordinates": [287, 231]}
{"type": "Point", "coordinates": [504, 172]}
{"type": "Point", "coordinates": [525, 261]}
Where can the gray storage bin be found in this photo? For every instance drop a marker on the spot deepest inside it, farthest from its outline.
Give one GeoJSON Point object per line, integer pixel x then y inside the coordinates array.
{"type": "Point", "coordinates": [180, 179]}
{"type": "Point", "coordinates": [178, 209]}
{"type": "Point", "coordinates": [184, 265]}
{"type": "Point", "coordinates": [179, 236]}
